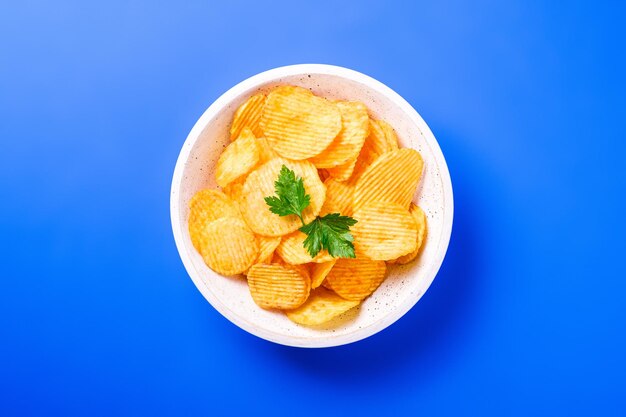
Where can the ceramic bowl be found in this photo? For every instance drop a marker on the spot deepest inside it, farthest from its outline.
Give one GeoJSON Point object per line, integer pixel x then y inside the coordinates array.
{"type": "Point", "coordinates": [405, 284]}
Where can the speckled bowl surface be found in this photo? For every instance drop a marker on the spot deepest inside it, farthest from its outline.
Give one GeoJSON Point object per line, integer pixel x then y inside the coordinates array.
{"type": "Point", "coordinates": [405, 284]}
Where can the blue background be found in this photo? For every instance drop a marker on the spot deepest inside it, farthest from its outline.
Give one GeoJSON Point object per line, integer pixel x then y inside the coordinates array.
{"type": "Point", "coordinates": [98, 316]}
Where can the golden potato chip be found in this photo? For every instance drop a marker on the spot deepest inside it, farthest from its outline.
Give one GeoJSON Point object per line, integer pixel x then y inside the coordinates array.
{"type": "Point", "coordinates": [292, 250]}
{"type": "Point", "coordinates": [234, 190]}
{"type": "Point", "coordinates": [349, 141]}
{"type": "Point", "coordinates": [278, 286]}
{"type": "Point", "coordinates": [377, 138]}
{"type": "Point", "coordinates": [237, 159]}
{"type": "Point", "coordinates": [319, 272]}
{"type": "Point", "coordinates": [420, 220]}
{"type": "Point", "coordinates": [393, 177]}
{"type": "Point", "coordinates": [352, 170]}
{"type": "Point", "coordinates": [302, 269]}
{"type": "Point", "coordinates": [248, 115]}
{"type": "Point", "coordinates": [267, 246]}
{"type": "Point", "coordinates": [206, 206]}
{"type": "Point", "coordinates": [298, 124]}
{"type": "Point", "coordinates": [227, 246]}
{"type": "Point", "coordinates": [260, 184]}
{"type": "Point", "coordinates": [338, 197]}
{"type": "Point", "coordinates": [390, 135]}
{"type": "Point", "coordinates": [355, 279]}
{"type": "Point", "coordinates": [322, 306]}
{"type": "Point", "coordinates": [384, 231]}
{"type": "Point", "coordinates": [265, 150]}
{"type": "Point", "coordinates": [342, 172]}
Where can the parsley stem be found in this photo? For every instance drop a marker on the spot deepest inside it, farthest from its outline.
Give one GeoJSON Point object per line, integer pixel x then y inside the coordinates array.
{"type": "Point", "coordinates": [301, 219]}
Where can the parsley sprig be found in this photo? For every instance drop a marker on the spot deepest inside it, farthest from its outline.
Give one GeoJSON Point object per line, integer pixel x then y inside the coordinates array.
{"type": "Point", "coordinates": [331, 232]}
{"type": "Point", "coordinates": [292, 199]}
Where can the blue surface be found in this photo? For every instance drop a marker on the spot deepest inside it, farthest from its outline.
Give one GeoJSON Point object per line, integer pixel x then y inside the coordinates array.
{"type": "Point", "coordinates": [98, 316]}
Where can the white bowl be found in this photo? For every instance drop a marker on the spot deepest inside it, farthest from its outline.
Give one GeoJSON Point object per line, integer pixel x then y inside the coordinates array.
{"type": "Point", "coordinates": [405, 284]}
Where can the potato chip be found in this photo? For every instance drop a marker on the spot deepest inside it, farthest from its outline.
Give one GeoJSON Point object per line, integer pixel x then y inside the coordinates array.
{"type": "Point", "coordinates": [227, 246]}
{"type": "Point", "coordinates": [260, 184]}
{"type": "Point", "coordinates": [248, 115]}
{"type": "Point", "coordinates": [390, 135]}
{"type": "Point", "coordinates": [319, 272]}
{"type": "Point", "coordinates": [338, 198]}
{"type": "Point", "coordinates": [298, 124]}
{"type": "Point", "coordinates": [384, 231]}
{"type": "Point", "coordinates": [322, 306]}
{"type": "Point", "coordinates": [393, 177]}
{"type": "Point", "coordinates": [420, 220]}
{"type": "Point", "coordinates": [323, 174]}
{"type": "Point", "coordinates": [349, 141]}
{"type": "Point", "coordinates": [377, 138]}
{"type": "Point", "coordinates": [342, 172]}
{"type": "Point", "coordinates": [278, 286]}
{"type": "Point", "coordinates": [237, 159]}
{"type": "Point", "coordinates": [206, 206]}
{"type": "Point", "coordinates": [265, 150]}
{"type": "Point", "coordinates": [267, 246]}
{"type": "Point", "coordinates": [355, 279]}
{"type": "Point", "coordinates": [234, 190]}
{"type": "Point", "coordinates": [292, 250]}
{"type": "Point", "coordinates": [352, 170]}
{"type": "Point", "coordinates": [303, 269]}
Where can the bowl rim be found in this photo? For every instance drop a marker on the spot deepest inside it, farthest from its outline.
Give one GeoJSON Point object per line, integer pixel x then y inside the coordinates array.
{"type": "Point", "coordinates": [329, 339]}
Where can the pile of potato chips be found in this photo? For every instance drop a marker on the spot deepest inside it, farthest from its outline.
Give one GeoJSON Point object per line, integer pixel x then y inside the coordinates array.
{"type": "Point", "coordinates": [350, 164]}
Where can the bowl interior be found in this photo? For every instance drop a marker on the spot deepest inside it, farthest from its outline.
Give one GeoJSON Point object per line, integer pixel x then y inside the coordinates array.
{"type": "Point", "coordinates": [404, 285]}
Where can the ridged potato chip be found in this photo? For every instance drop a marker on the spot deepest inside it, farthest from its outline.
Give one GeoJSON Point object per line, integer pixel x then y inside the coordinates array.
{"type": "Point", "coordinates": [352, 170]}
{"type": "Point", "coordinates": [298, 124]}
{"type": "Point", "coordinates": [267, 246]}
{"type": "Point", "coordinates": [319, 271]}
{"type": "Point", "coordinates": [420, 220]}
{"type": "Point", "coordinates": [265, 150]}
{"type": "Point", "coordinates": [322, 306]}
{"type": "Point", "coordinates": [248, 115]}
{"type": "Point", "coordinates": [390, 135]}
{"type": "Point", "coordinates": [393, 177]}
{"type": "Point", "coordinates": [384, 231]}
{"type": "Point", "coordinates": [304, 269]}
{"type": "Point", "coordinates": [234, 190]}
{"type": "Point", "coordinates": [338, 197]}
{"type": "Point", "coordinates": [348, 143]}
{"type": "Point", "coordinates": [227, 246]}
{"type": "Point", "coordinates": [342, 172]}
{"type": "Point", "coordinates": [207, 206]}
{"type": "Point", "coordinates": [237, 159]}
{"type": "Point", "coordinates": [278, 286]}
{"type": "Point", "coordinates": [355, 279]}
{"type": "Point", "coordinates": [260, 184]}
{"type": "Point", "coordinates": [378, 140]}
{"type": "Point", "coordinates": [292, 250]}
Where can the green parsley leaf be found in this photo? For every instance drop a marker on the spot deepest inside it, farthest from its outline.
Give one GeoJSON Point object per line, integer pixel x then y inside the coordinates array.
{"type": "Point", "coordinates": [331, 232]}
{"type": "Point", "coordinates": [291, 197]}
